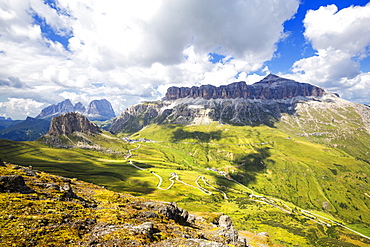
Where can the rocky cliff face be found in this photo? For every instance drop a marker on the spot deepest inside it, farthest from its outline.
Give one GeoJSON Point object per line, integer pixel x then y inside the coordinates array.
{"type": "Point", "coordinates": [72, 122]}
{"type": "Point", "coordinates": [238, 103]}
{"type": "Point", "coordinates": [271, 87]}
{"type": "Point", "coordinates": [55, 110]}
{"type": "Point", "coordinates": [202, 111]}
{"type": "Point", "coordinates": [97, 110]}
{"type": "Point", "coordinates": [138, 116]}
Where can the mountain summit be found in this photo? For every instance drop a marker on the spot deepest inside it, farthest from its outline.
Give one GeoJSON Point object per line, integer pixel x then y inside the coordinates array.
{"type": "Point", "coordinates": [97, 110]}
{"type": "Point", "coordinates": [271, 87]}
{"type": "Point", "coordinates": [56, 110]}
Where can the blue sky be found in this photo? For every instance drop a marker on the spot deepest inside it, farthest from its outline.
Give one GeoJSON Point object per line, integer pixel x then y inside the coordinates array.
{"type": "Point", "coordinates": [295, 46]}
{"type": "Point", "coordinates": [130, 51]}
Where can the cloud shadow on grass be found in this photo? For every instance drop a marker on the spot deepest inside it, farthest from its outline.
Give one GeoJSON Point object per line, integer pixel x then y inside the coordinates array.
{"type": "Point", "coordinates": [202, 137]}
{"type": "Point", "coordinates": [250, 165]}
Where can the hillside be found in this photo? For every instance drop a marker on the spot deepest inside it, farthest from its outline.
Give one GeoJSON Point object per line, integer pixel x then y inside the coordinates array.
{"type": "Point", "coordinates": [26, 130]}
{"type": "Point", "coordinates": [286, 158]}
{"type": "Point", "coordinates": [266, 160]}
{"type": "Point", "coordinates": [39, 209]}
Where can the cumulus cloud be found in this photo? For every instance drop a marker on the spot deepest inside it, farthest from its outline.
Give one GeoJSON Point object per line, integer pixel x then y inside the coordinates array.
{"type": "Point", "coordinates": [347, 30]}
{"type": "Point", "coordinates": [359, 92]}
{"type": "Point", "coordinates": [342, 39]}
{"type": "Point", "coordinates": [127, 51]}
{"type": "Point", "coordinates": [327, 67]}
{"type": "Point", "coordinates": [18, 108]}
{"type": "Point", "coordinates": [113, 34]}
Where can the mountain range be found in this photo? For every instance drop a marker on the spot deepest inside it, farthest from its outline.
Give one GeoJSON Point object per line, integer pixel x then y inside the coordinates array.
{"type": "Point", "coordinates": [31, 129]}
{"type": "Point", "coordinates": [238, 103]}
{"type": "Point", "coordinates": [278, 156]}
{"type": "Point", "coordinates": [100, 110]}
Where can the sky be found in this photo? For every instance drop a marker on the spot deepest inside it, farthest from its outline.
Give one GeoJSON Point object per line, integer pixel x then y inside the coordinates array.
{"type": "Point", "coordinates": [131, 51]}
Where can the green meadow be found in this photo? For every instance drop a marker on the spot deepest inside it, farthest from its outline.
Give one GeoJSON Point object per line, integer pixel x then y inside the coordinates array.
{"type": "Point", "coordinates": [289, 171]}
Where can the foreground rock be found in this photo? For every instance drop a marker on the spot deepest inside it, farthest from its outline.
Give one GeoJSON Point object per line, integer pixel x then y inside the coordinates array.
{"type": "Point", "coordinates": [13, 184]}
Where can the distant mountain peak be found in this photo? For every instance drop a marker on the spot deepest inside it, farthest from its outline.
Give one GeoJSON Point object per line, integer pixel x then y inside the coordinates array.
{"type": "Point", "coordinates": [55, 110]}
{"type": "Point", "coordinates": [271, 78]}
{"type": "Point", "coordinates": [97, 110]}
{"type": "Point", "coordinates": [79, 107]}
{"type": "Point", "coordinates": [100, 110]}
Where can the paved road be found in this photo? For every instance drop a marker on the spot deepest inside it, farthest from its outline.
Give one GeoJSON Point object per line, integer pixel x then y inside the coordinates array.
{"type": "Point", "coordinates": [270, 201]}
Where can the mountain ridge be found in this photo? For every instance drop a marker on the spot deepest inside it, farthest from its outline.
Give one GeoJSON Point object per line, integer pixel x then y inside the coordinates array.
{"type": "Point", "coordinates": [270, 88]}
{"type": "Point", "coordinates": [238, 103]}
{"type": "Point", "coordinates": [25, 130]}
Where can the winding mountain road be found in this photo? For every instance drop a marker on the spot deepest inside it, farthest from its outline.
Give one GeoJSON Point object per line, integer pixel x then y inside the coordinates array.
{"type": "Point", "coordinates": [258, 198]}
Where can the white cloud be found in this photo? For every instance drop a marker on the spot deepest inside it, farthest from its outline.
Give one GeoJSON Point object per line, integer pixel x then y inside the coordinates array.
{"type": "Point", "coordinates": [125, 50]}
{"type": "Point", "coordinates": [347, 30]}
{"type": "Point", "coordinates": [17, 108]}
{"type": "Point", "coordinates": [342, 39]}
{"type": "Point", "coordinates": [327, 67]}
{"type": "Point", "coordinates": [359, 92]}
{"type": "Point", "coordinates": [123, 35]}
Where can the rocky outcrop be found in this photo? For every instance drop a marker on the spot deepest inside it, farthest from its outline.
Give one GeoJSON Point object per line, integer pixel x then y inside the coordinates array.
{"type": "Point", "coordinates": [271, 87]}
{"type": "Point", "coordinates": [99, 110]}
{"type": "Point", "coordinates": [14, 184]}
{"type": "Point", "coordinates": [72, 122]}
{"type": "Point", "coordinates": [227, 229]}
{"type": "Point", "coordinates": [138, 116]}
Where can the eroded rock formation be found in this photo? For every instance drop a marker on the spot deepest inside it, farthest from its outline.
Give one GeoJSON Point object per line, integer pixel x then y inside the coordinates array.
{"type": "Point", "coordinates": [271, 87]}
{"type": "Point", "coordinates": [72, 122]}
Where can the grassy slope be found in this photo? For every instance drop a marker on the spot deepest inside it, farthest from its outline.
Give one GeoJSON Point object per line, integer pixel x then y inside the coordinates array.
{"type": "Point", "coordinates": [96, 216]}
{"type": "Point", "coordinates": [312, 176]}
{"type": "Point", "coordinates": [277, 165]}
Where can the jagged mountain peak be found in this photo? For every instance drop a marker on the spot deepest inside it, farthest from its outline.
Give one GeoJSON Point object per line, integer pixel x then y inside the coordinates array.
{"type": "Point", "coordinates": [79, 107]}
{"type": "Point", "coordinates": [271, 78]}
{"type": "Point", "coordinates": [100, 110]}
{"type": "Point", "coordinates": [97, 110]}
{"type": "Point", "coordinates": [55, 110]}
